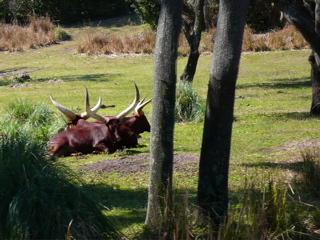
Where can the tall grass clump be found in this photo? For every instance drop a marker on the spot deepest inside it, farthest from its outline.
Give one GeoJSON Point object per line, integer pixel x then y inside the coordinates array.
{"type": "Point", "coordinates": [265, 211]}
{"type": "Point", "coordinates": [99, 43]}
{"type": "Point", "coordinates": [287, 38]}
{"type": "Point", "coordinates": [311, 170]}
{"type": "Point", "coordinates": [190, 107]}
{"type": "Point", "coordinates": [62, 34]}
{"type": "Point", "coordinates": [258, 210]}
{"type": "Point", "coordinates": [39, 32]}
{"type": "Point", "coordinates": [41, 199]}
{"type": "Point", "coordinates": [35, 119]}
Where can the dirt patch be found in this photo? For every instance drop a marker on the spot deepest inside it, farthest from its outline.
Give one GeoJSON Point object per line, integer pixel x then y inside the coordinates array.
{"type": "Point", "coordinates": [182, 161]}
{"type": "Point", "coordinates": [17, 72]}
{"type": "Point", "coordinates": [309, 144]}
{"type": "Point", "coordinates": [140, 163]}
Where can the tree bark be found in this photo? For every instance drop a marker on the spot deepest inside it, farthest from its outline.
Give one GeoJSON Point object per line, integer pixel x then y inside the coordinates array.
{"type": "Point", "coordinates": [216, 142]}
{"type": "Point", "coordinates": [305, 16]}
{"type": "Point", "coordinates": [191, 67]}
{"type": "Point", "coordinates": [162, 122]}
{"type": "Point", "coordinates": [303, 21]}
{"type": "Point", "coordinates": [192, 31]}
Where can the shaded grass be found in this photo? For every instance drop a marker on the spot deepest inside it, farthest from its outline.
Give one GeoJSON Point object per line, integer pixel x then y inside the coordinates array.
{"type": "Point", "coordinates": [41, 199]}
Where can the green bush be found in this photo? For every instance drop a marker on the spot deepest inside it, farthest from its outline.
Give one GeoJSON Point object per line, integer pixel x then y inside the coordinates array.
{"type": "Point", "coordinates": [35, 119]}
{"type": "Point", "coordinates": [41, 199]}
{"type": "Point", "coordinates": [311, 170]}
{"type": "Point", "coordinates": [62, 34]}
{"type": "Point", "coordinates": [189, 105]}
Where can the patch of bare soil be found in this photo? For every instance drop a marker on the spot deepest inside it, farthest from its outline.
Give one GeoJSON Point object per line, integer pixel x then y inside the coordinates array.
{"type": "Point", "coordinates": [309, 144]}
{"type": "Point", "coordinates": [184, 161]}
{"type": "Point", "coordinates": [140, 163]}
{"type": "Point", "coordinates": [17, 72]}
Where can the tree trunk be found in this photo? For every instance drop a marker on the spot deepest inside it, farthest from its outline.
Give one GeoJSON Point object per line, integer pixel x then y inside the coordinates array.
{"type": "Point", "coordinates": [306, 18]}
{"type": "Point", "coordinates": [162, 122]}
{"type": "Point", "coordinates": [206, 16]}
{"type": "Point", "coordinates": [191, 67]}
{"type": "Point", "coordinates": [192, 31]}
{"type": "Point", "coordinates": [315, 68]}
{"type": "Point", "coordinates": [215, 153]}
{"type": "Point", "coordinates": [315, 79]}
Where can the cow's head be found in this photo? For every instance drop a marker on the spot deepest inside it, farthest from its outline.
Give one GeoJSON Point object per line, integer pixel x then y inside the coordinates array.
{"type": "Point", "coordinates": [138, 123]}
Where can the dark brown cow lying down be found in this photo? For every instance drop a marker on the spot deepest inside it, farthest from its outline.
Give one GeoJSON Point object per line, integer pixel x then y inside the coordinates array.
{"type": "Point", "coordinates": [87, 137]}
{"type": "Point", "coordinates": [129, 128]}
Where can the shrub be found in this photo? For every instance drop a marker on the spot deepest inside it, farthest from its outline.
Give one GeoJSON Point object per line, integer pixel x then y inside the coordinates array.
{"type": "Point", "coordinates": [41, 199]}
{"type": "Point", "coordinates": [189, 105]}
{"type": "Point", "coordinates": [62, 34]}
{"type": "Point", "coordinates": [311, 170]}
{"type": "Point", "coordinates": [39, 32]}
{"type": "Point", "coordinates": [34, 119]}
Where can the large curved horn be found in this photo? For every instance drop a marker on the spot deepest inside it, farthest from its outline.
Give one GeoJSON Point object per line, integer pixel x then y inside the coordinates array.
{"type": "Point", "coordinates": [91, 113]}
{"type": "Point", "coordinates": [85, 116]}
{"type": "Point", "coordinates": [71, 115]}
{"type": "Point", "coordinates": [132, 106]}
{"type": "Point", "coordinates": [141, 105]}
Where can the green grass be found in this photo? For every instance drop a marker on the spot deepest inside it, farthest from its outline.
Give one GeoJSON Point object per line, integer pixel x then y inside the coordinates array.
{"type": "Point", "coordinates": [271, 113]}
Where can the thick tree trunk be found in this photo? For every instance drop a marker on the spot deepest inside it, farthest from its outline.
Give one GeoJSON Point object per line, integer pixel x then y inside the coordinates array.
{"type": "Point", "coordinates": [315, 78]}
{"type": "Point", "coordinates": [304, 21]}
{"type": "Point", "coordinates": [306, 18]}
{"type": "Point", "coordinates": [216, 141]}
{"type": "Point", "coordinates": [315, 68]}
{"type": "Point", "coordinates": [162, 122]}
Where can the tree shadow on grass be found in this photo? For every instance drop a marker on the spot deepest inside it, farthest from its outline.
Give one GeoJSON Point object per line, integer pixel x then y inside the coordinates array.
{"type": "Point", "coordinates": [88, 77]}
{"type": "Point", "coordinates": [284, 83]}
{"type": "Point", "coordinates": [131, 203]}
{"type": "Point", "coordinates": [290, 115]}
{"type": "Point", "coordinates": [123, 20]}
{"type": "Point", "coordinates": [293, 166]}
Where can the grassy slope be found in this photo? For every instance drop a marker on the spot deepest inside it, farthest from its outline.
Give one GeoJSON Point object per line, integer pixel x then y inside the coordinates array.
{"type": "Point", "coordinates": [271, 110]}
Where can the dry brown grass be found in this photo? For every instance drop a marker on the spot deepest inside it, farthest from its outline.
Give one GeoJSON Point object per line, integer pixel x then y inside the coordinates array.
{"type": "Point", "coordinates": [39, 32]}
{"type": "Point", "coordinates": [98, 43]}
{"type": "Point", "coordinates": [285, 39]}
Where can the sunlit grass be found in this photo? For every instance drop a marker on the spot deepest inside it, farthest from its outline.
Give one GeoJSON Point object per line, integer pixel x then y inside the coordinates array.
{"type": "Point", "coordinates": [273, 99]}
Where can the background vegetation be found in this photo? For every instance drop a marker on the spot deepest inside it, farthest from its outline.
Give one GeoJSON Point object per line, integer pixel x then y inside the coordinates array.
{"type": "Point", "coordinates": [272, 134]}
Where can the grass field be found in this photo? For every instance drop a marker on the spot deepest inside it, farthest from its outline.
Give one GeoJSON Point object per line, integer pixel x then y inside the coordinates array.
{"type": "Point", "coordinates": [272, 122]}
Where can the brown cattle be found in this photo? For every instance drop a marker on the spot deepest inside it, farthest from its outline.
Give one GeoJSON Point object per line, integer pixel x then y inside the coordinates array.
{"type": "Point", "coordinates": [87, 137]}
{"type": "Point", "coordinates": [130, 127]}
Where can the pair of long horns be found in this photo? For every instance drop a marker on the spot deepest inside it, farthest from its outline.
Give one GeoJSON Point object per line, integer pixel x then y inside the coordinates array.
{"type": "Point", "coordinates": [92, 113]}
{"type": "Point", "coordinates": [71, 115]}
{"type": "Point", "coordinates": [136, 105]}
{"type": "Point", "coordinates": [141, 105]}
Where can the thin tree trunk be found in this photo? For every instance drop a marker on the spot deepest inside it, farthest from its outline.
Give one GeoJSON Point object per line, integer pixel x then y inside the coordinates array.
{"type": "Point", "coordinates": [162, 122]}
{"type": "Point", "coordinates": [191, 67]}
{"type": "Point", "coordinates": [216, 142]}
{"type": "Point", "coordinates": [192, 32]}
{"type": "Point", "coordinates": [206, 16]}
